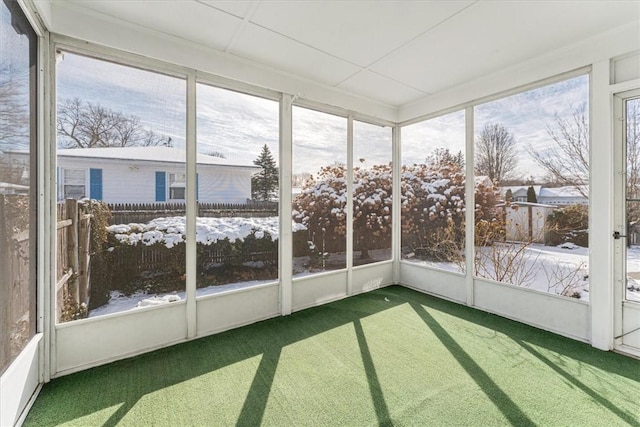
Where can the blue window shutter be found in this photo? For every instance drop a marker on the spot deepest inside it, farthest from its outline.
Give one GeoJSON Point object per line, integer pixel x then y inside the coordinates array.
{"type": "Point", "coordinates": [161, 187]}
{"type": "Point", "coordinates": [95, 184]}
{"type": "Point", "coordinates": [197, 188]}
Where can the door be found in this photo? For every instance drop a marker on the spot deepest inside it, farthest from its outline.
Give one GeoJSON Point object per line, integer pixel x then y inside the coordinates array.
{"type": "Point", "coordinates": [20, 330]}
{"type": "Point", "coordinates": [627, 231]}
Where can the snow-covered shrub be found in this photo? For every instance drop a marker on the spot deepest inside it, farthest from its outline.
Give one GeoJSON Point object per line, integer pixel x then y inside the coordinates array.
{"type": "Point", "coordinates": [569, 224]}
{"type": "Point", "coordinates": [372, 204]}
{"type": "Point", "coordinates": [433, 209]}
{"type": "Point", "coordinates": [321, 209]}
{"type": "Point", "coordinates": [151, 257]}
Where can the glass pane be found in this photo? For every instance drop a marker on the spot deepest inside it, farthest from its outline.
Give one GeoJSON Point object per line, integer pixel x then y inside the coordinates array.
{"type": "Point", "coordinates": [532, 188]}
{"type": "Point", "coordinates": [372, 153]}
{"type": "Point", "coordinates": [632, 138]}
{"type": "Point", "coordinates": [120, 236]}
{"type": "Point", "coordinates": [17, 183]}
{"type": "Point", "coordinates": [433, 192]}
{"type": "Point", "coordinates": [237, 186]}
{"type": "Point", "coordinates": [319, 192]}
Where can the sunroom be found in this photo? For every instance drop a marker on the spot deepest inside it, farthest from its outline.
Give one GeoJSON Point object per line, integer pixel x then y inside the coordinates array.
{"type": "Point", "coordinates": [173, 172]}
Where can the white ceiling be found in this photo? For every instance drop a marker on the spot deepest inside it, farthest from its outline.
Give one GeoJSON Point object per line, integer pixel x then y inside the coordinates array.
{"type": "Point", "coordinates": [393, 52]}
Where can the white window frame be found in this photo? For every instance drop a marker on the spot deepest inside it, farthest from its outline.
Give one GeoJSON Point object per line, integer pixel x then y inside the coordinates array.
{"type": "Point", "coordinates": [63, 184]}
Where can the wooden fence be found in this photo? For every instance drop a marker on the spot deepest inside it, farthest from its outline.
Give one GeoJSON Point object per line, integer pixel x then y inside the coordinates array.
{"type": "Point", "coordinates": [125, 213]}
{"type": "Point", "coordinates": [150, 259]}
{"type": "Point", "coordinates": [73, 255]}
{"type": "Point", "coordinates": [17, 298]}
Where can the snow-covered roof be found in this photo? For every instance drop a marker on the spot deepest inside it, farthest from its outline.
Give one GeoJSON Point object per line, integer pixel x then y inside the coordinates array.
{"type": "Point", "coordinates": [520, 189]}
{"type": "Point", "coordinates": [561, 192]}
{"type": "Point", "coordinates": [7, 186]}
{"type": "Point", "coordinates": [145, 154]}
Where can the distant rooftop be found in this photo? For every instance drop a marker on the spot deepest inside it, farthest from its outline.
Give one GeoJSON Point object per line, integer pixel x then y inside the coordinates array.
{"type": "Point", "coordinates": [142, 154]}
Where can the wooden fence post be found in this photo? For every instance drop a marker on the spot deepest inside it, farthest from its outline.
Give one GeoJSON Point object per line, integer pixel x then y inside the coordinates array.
{"type": "Point", "coordinates": [72, 248]}
{"type": "Point", "coordinates": [84, 242]}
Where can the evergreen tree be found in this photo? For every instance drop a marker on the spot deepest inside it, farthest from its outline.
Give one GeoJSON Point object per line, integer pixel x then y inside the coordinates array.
{"type": "Point", "coordinates": [264, 184]}
{"type": "Point", "coordinates": [531, 195]}
{"type": "Point", "coordinates": [508, 197]}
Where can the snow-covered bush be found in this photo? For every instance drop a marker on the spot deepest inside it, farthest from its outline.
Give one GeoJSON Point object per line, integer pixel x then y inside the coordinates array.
{"type": "Point", "coordinates": [433, 209]}
{"type": "Point", "coordinates": [372, 204]}
{"type": "Point", "coordinates": [321, 209]}
{"type": "Point", "coordinates": [151, 257]}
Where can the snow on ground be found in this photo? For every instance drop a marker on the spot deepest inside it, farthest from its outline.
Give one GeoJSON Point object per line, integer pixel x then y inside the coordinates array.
{"type": "Point", "coordinates": [171, 230]}
{"type": "Point", "coordinates": [119, 302]}
{"type": "Point", "coordinates": [565, 263]}
{"type": "Point", "coordinates": [545, 262]}
{"type": "Point", "coordinates": [633, 273]}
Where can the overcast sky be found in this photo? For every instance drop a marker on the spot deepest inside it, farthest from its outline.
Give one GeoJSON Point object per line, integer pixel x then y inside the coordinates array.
{"type": "Point", "coordinates": [238, 125]}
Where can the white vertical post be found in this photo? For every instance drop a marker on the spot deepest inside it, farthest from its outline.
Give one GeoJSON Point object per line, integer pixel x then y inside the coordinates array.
{"type": "Point", "coordinates": [191, 207]}
{"type": "Point", "coordinates": [46, 205]}
{"type": "Point", "coordinates": [470, 203]}
{"type": "Point", "coordinates": [601, 210]}
{"type": "Point", "coordinates": [349, 206]}
{"type": "Point", "coordinates": [619, 206]}
{"type": "Point", "coordinates": [51, 190]}
{"type": "Point", "coordinates": [396, 160]}
{"type": "Point", "coordinates": [285, 258]}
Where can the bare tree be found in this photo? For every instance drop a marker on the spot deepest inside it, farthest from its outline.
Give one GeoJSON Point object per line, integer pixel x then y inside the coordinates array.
{"type": "Point", "coordinates": [496, 155]}
{"type": "Point", "coordinates": [567, 161]}
{"type": "Point", "coordinates": [443, 156]}
{"type": "Point", "coordinates": [14, 107]}
{"type": "Point", "coordinates": [88, 125]}
{"type": "Point", "coordinates": [633, 148]}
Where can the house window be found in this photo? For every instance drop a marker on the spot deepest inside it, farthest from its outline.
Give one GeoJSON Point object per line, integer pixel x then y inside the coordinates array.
{"type": "Point", "coordinates": [75, 184]}
{"type": "Point", "coordinates": [177, 185]}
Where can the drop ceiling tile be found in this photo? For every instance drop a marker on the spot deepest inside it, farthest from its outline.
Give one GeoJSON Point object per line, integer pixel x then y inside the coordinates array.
{"type": "Point", "coordinates": [266, 47]}
{"type": "Point", "coordinates": [186, 18]}
{"type": "Point", "coordinates": [360, 32]}
{"type": "Point", "coordinates": [380, 88]}
{"type": "Point", "coordinates": [492, 35]}
{"type": "Point", "coordinates": [234, 7]}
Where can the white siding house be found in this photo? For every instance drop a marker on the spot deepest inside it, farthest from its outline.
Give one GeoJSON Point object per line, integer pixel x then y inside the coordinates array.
{"type": "Point", "coordinates": [148, 175]}
{"type": "Point", "coordinates": [557, 196]}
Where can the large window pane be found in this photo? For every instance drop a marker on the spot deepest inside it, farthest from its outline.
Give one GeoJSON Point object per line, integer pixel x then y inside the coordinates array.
{"type": "Point", "coordinates": [237, 189]}
{"type": "Point", "coordinates": [632, 190]}
{"type": "Point", "coordinates": [372, 153]}
{"type": "Point", "coordinates": [319, 192]}
{"type": "Point", "coordinates": [532, 177]}
{"type": "Point", "coordinates": [17, 183]}
{"type": "Point", "coordinates": [433, 192]}
{"type": "Point", "coordinates": [121, 168]}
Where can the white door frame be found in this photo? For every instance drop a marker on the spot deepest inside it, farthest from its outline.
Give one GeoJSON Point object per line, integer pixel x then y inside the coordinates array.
{"type": "Point", "coordinates": [623, 309]}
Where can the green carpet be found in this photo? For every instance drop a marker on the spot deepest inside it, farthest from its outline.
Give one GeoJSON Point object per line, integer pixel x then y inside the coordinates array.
{"type": "Point", "coordinates": [388, 357]}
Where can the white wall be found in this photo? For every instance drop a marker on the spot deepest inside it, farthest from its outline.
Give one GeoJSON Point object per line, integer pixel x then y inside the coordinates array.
{"type": "Point", "coordinates": [216, 185]}
{"type": "Point", "coordinates": [135, 182]}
